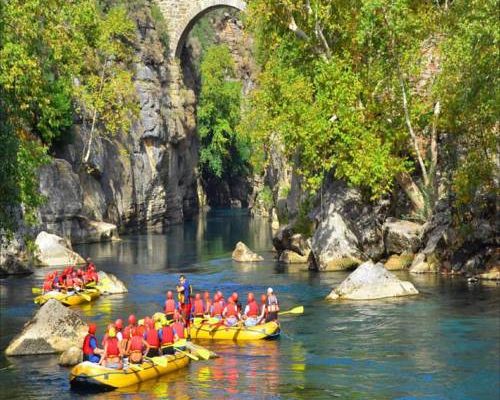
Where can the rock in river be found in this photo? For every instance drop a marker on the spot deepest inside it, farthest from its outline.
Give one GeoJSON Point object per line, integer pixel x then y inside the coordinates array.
{"type": "Point", "coordinates": [401, 236]}
{"type": "Point", "coordinates": [53, 329]}
{"type": "Point", "coordinates": [110, 284]}
{"type": "Point", "coordinates": [55, 251]}
{"type": "Point", "coordinates": [72, 356]}
{"type": "Point", "coordinates": [243, 254]}
{"type": "Point", "coordinates": [372, 281]}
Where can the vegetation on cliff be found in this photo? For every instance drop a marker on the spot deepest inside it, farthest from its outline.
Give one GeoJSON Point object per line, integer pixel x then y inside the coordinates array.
{"type": "Point", "coordinates": [58, 60]}
{"type": "Point", "coordinates": [370, 90]}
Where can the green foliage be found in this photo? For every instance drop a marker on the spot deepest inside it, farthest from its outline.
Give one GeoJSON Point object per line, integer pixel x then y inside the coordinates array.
{"type": "Point", "coordinates": [52, 56]}
{"type": "Point", "coordinates": [363, 89]}
{"type": "Point", "coordinates": [265, 197]}
{"type": "Point", "coordinates": [303, 223]}
{"type": "Point", "coordinates": [160, 25]}
{"type": "Point", "coordinates": [224, 152]}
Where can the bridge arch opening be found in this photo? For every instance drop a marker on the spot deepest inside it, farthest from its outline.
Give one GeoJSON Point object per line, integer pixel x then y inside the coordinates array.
{"type": "Point", "coordinates": [202, 8]}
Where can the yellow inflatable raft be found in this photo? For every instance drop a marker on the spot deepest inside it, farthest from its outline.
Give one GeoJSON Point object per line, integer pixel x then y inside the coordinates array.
{"type": "Point", "coordinates": [87, 375]}
{"type": "Point", "coordinates": [236, 333]}
{"type": "Point", "coordinates": [71, 299]}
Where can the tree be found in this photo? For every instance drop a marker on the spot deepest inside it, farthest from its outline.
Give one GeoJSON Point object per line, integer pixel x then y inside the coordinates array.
{"type": "Point", "coordinates": [224, 152]}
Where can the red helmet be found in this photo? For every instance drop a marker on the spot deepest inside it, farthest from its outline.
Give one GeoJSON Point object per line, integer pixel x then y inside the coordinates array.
{"type": "Point", "coordinates": [263, 298]}
{"type": "Point", "coordinates": [235, 296]}
{"type": "Point", "coordinates": [150, 323]}
{"type": "Point", "coordinates": [119, 324]}
{"type": "Point", "coordinates": [132, 320]}
{"type": "Point", "coordinates": [206, 295]}
{"type": "Point", "coordinates": [250, 297]}
{"type": "Point", "coordinates": [197, 296]}
{"type": "Point", "coordinates": [92, 328]}
{"type": "Point", "coordinates": [231, 300]}
{"type": "Point", "coordinates": [169, 294]}
{"type": "Point", "coordinates": [216, 297]}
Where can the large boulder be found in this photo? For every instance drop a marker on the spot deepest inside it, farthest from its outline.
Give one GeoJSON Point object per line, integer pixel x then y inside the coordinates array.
{"type": "Point", "coordinates": [423, 264]}
{"type": "Point", "coordinates": [12, 265]}
{"type": "Point", "coordinates": [99, 231]}
{"type": "Point", "coordinates": [349, 229]}
{"type": "Point", "coordinates": [291, 257]}
{"type": "Point", "coordinates": [401, 236]}
{"type": "Point", "coordinates": [292, 248]}
{"type": "Point", "coordinates": [372, 281]}
{"type": "Point", "coordinates": [70, 357]}
{"type": "Point", "coordinates": [53, 329]}
{"type": "Point", "coordinates": [110, 284]}
{"type": "Point", "coordinates": [398, 262]}
{"type": "Point", "coordinates": [243, 254]}
{"type": "Point", "coordinates": [53, 250]}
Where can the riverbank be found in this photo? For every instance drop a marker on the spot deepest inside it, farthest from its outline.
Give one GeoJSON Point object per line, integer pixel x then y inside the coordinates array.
{"type": "Point", "coordinates": [441, 344]}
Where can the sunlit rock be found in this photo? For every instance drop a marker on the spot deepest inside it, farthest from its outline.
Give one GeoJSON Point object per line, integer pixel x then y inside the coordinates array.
{"type": "Point", "coordinates": [243, 254]}
{"type": "Point", "coordinates": [70, 357]}
{"type": "Point", "coordinates": [53, 329]}
{"type": "Point", "coordinates": [110, 284]}
{"type": "Point", "coordinates": [372, 281]}
{"type": "Point", "coordinates": [53, 250]}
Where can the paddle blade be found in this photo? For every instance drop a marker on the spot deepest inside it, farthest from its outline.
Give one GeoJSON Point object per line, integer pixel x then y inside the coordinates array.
{"type": "Point", "coordinates": [161, 361]}
{"type": "Point", "coordinates": [201, 351]}
{"type": "Point", "coordinates": [85, 296]}
{"type": "Point", "coordinates": [294, 311]}
{"type": "Point", "coordinates": [180, 343]}
{"type": "Point", "coordinates": [36, 290]}
{"type": "Point", "coordinates": [191, 356]}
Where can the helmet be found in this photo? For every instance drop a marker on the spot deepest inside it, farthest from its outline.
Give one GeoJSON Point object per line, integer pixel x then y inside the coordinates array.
{"type": "Point", "coordinates": [150, 323]}
{"type": "Point", "coordinates": [119, 324]}
{"type": "Point", "coordinates": [206, 295]}
{"type": "Point", "coordinates": [92, 328]}
{"type": "Point", "coordinates": [269, 290]}
{"type": "Point", "coordinates": [216, 297]}
{"type": "Point", "coordinates": [231, 300]}
{"type": "Point", "coordinates": [219, 293]}
{"type": "Point", "coordinates": [169, 295]}
{"type": "Point", "coordinates": [112, 332]}
{"type": "Point", "coordinates": [235, 296]}
{"type": "Point", "coordinates": [250, 297]}
{"type": "Point", "coordinates": [197, 296]}
{"type": "Point", "coordinates": [132, 320]}
{"type": "Point", "coordinates": [263, 298]}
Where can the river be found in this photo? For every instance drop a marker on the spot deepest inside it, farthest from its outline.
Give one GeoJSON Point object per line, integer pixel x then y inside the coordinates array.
{"type": "Point", "coordinates": [442, 344]}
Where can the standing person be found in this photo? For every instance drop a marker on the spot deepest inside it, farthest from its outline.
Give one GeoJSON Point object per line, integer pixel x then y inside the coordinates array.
{"type": "Point", "coordinates": [91, 352]}
{"type": "Point", "coordinates": [272, 306]}
{"type": "Point", "coordinates": [169, 306]}
{"type": "Point", "coordinates": [184, 291]}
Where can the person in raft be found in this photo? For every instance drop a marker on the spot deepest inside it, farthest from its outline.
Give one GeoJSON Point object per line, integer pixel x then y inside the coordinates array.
{"type": "Point", "coordinates": [231, 314]}
{"type": "Point", "coordinates": [91, 352]}
{"type": "Point", "coordinates": [272, 306]}
{"type": "Point", "coordinates": [112, 356]}
{"type": "Point", "coordinates": [253, 315]}
{"type": "Point", "coordinates": [137, 347]}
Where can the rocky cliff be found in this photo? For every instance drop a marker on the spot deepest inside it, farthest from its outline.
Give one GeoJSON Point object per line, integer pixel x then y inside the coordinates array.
{"type": "Point", "coordinates": [144, 178]}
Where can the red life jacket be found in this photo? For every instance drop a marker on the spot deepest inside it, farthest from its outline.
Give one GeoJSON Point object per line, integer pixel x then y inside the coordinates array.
{"type": "Point", "coordinates": [231, 310]}
{"type": "Point", "coordinates": [217, 309]}
{"type": "Point", "coordinates": [136, 343]}
{"type": "Point", "coordinates": [170, 307]}
{"type": "Point", "coordinates": [253, 309]}
{"type": "Point", "coordinates": [167, 335]}
{"type": "Point", "coordinates": [178, 327]}
{"type": "Point", "coordinates": [87, 350]}
{"type": "Point", "coordinates": [208, 304]}
{"type": "Point", "coordinates": [69, 282]}
{"type": "Point", "coordinates": [199, 310]}
{"type": "Point", "coordinates": [152, 338]}
{"type": "Point", "coordinates": [113, 350]}
{"type": "Point", "coordinates": [139, 331]}
{"type": "Point", "coordinates": [47, 286]}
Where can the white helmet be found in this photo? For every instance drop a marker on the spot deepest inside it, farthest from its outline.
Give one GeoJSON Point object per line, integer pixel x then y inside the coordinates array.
{"type": "Point", "coordinates": [269, 290]}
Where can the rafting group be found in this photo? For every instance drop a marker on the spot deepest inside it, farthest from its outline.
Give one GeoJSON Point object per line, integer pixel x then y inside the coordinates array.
{"type": "Point", "coordinates": [158, 344]}
{"type": "Point", "coordinates": [71, 286]}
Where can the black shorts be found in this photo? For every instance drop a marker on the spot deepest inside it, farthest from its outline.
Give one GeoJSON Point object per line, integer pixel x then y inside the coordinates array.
{"type": "Point", "coordinates": [272, 316]}
{"type": "Point", "coordinates": [168, 350]}
{"type": "Point", "coordinates": [153, 353]}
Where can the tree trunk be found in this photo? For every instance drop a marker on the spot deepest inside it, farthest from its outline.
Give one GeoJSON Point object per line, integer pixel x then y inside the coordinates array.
{"type": "Point", "coordinates": [413, 192]}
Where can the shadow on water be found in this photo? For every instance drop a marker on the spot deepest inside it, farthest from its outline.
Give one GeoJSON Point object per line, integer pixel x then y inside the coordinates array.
{"type": "Point", "coordinates": [441, 344]}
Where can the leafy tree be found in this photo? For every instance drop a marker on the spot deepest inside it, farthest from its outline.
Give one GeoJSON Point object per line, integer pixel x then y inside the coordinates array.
{"type": "Point", "coordinates": [224, 152]}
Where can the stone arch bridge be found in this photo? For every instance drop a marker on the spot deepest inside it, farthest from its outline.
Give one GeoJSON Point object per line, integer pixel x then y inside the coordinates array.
{"type": "Point", "coordinates": [181, 15]}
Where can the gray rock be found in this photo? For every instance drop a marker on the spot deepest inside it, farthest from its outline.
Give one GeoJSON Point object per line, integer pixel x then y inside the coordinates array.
{"type": "Point", "coordinates": [53, 329]}
{"type": "Point", "coordinates": [110, 284]}
{"type": "Point", "coordinates": [398, 262]}
{"type": "Point", "coordinates": [401, 236]}
{"type": "Point", "coordinates": [70, 357]}
{"type": "Point", "coordinates": [372, 281]}
{"type": "Point", "coordinates": [243, 254]}
{"type": "Point", "coordinates": [53, 250]}
{"type": "Point", "coordinates": [291, 257]}
{"type": "Point", "coordinates": [287, 239]}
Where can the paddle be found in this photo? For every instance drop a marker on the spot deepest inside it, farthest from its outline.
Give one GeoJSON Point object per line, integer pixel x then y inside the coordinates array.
{"type": "Point", "coordinates": [182, 343]}
{"type": "Point", "coordinates": [294, 311]}
{"type": "Point", "coordinates": [36, 290]}
{"type": "Point", "coordinates": [85, 296]}
{"type": "Point", "coordinates": [159, 361]}
{"type": "Point", "coordinates": [199, 350]}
